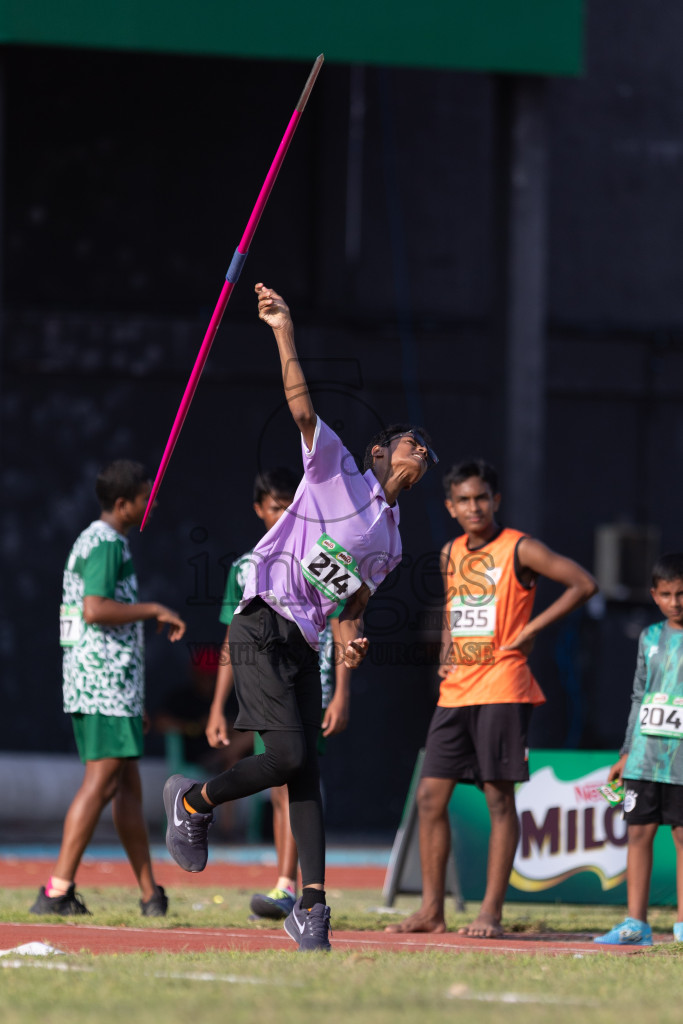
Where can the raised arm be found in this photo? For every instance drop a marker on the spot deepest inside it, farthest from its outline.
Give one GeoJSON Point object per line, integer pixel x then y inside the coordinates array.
{"type": "Point", "coordinates": [274, 311]}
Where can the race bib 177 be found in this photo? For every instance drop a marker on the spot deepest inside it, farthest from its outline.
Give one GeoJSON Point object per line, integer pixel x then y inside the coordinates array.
{"type": "Point", "coordinates": [71, 625]}
{"type": "Point", "coordinates": [331, 569]}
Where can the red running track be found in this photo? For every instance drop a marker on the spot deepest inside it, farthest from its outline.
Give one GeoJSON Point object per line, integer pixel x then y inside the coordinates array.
{"type": "Point", "coordinates": [73, 937]}
{"type": "Point", "coordinates": [15, 872]}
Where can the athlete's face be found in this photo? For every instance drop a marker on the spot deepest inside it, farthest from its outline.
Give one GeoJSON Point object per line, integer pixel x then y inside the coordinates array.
{"type": "Point", "coordinates": [134, 511]}
{"type": "Point", "coordinates": [270, 508]}
{"type": "Point", "coordinates": [473, 504]}
{"type": "Point", "coordinates": [668, 596]}
{"type": "Point", "coordinates": [410, 456]}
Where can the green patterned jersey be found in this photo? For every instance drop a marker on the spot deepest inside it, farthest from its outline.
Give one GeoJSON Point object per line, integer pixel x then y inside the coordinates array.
{"type": "Point", "coordinates": [103, 666]}
{"type": "Point", "coordinates": [658, 682]}
{"type": "Point", "coordinates": [234, 588]}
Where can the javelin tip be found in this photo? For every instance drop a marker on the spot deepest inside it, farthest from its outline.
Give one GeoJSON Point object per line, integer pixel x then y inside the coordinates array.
{"type": "Point", "coordinates": [310, 82]}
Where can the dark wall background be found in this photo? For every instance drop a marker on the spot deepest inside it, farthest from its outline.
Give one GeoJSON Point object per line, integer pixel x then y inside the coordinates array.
{"type": "Point", "coordinates": [127, 184]}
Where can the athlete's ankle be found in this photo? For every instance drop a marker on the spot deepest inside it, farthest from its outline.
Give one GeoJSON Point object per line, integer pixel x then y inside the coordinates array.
{"type": "Point", "coordinates": [310, 897]}
{"type": "Point", "coordinates": [57, 886]}
{"type": "Point", "coordinates": [195, 802]}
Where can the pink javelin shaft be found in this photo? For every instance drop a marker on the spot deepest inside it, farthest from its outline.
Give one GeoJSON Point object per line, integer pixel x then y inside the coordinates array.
{"type": "Point", "coordinates": [234, 270]}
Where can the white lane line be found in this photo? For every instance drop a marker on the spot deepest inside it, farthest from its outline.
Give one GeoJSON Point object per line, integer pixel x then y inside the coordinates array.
{"type": "Point", "coordinates": [462, 992]}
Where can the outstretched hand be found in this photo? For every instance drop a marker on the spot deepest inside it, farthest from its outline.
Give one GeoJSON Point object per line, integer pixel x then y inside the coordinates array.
{"type": "Point", "coordinates": [176, 626]}
{"type": "Point", "coordinates": [272, 308]}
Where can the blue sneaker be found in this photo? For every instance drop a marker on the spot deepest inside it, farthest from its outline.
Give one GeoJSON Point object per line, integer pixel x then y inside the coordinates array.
{"type": "Point", "coordinates": [678, 931]}
{"type": "Point", "coordinates": [186, 834]}
{"type": "Point", "coordinates": [310, 929]}
{"type": "Point", "coordinates": [277, 904]}
{"type": "Point", "coordinates": [630, 932]}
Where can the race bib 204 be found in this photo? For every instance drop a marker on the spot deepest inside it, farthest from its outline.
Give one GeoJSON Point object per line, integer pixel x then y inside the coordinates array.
{"type": "Point", "coordinates": [331, 569]}
{"type": "Point", "coordinates": [661, 714]}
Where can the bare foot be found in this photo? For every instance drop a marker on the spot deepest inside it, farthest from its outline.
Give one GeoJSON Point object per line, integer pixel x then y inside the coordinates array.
{"type": "Point", "coordinates": [418, 922]}
{"type": "Point", "coordinates": [485, 926]}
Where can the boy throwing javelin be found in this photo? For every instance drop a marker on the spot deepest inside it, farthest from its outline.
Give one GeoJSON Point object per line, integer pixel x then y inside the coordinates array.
{"type": "Point", "coordinates": [338, 540]}
{"type": "Point", "coordinates": [274, 491]}
{"type": "Point", "coordinates": [651, 761]}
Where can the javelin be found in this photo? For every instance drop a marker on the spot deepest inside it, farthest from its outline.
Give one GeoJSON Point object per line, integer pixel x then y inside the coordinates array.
{"type": "Point", "coordinates": [234, 271]}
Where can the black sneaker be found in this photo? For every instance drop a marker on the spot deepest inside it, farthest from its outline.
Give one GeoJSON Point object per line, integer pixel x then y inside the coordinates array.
{"type": "Point", "coordinates": [310, 929]}
{"type": "Point", "coordinates": [65, 905]}
{"type": "Point", "coordinates": [156, 905]}
{"type": "Point", "coordinates": [186, 834]}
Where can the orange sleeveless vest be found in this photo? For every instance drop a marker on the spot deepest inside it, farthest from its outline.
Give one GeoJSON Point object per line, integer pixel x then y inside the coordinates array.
{"type": "Point", "coordinates": [486, 608]}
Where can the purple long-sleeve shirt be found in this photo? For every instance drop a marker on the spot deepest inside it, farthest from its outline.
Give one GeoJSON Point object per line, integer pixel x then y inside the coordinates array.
{"type": "Point", "coordinates": [338, 532]}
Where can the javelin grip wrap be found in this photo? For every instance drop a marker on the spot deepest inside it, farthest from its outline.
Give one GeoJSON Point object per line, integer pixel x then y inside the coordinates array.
{"type": "Point", "coordinates": [236, 264]}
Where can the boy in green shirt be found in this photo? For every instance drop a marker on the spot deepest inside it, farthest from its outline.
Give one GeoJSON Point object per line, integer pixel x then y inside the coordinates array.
{"type": "Point", "coordinates": [651, 761]}
{"type": "Point", "coordinates": [103, 671]}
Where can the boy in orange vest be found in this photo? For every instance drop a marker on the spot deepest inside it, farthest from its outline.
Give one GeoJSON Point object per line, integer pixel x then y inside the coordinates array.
{"type": "Point", "coordinates": [478, 732]}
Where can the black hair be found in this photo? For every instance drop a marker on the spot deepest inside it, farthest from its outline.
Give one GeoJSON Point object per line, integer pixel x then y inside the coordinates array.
{"type": "Point", "coordinates": [667, 568]}
{"type": "Point", "coordinates": [120, 479]}
{"type": "Point", "coordinates": [462, 471]}
{"type": "Point", "coordinates": [382, 436]}
{"type": "Point", "coordinates": [281, 482]}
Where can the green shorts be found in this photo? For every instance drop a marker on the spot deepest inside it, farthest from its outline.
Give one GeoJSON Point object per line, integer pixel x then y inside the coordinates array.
{"type": "Point", "coordinates": [99, 736]}
{"type": "Point", "coordinates": [260, 748]}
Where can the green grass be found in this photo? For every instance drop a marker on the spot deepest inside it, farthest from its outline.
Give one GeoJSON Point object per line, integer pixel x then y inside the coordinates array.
{"type": "Point", "coordinates": [280, 987]}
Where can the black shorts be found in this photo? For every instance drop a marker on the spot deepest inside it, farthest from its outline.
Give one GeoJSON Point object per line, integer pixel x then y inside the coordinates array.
{"type": "Point", "coordinates": [481, 743]}
{"type": "Point", "coordinates": [277, 674]}
{"type": "Point", "coordinates": [652, 803]}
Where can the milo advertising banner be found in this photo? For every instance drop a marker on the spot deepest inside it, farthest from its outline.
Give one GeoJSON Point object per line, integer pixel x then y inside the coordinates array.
{"type": "Point", "coordinates": [572, 843]}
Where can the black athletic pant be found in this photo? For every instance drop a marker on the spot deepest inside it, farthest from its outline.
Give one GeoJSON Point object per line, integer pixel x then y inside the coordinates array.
{"type": "Point", "coordinates": [277, 683]}
{"type": "Point", "coordinates": [291, 758]}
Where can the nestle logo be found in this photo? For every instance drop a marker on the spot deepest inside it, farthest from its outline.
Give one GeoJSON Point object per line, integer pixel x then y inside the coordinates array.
{"type": "Point", "coordinates": [587, 794]}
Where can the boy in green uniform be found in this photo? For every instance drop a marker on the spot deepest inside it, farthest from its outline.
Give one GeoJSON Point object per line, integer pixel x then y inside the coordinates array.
{"type": "Point", "coordinates": [651, 761]}
{"type": "Point", "coordinates": [273, 494]}
{"type": "Point", "coordinates": [103, 672]}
